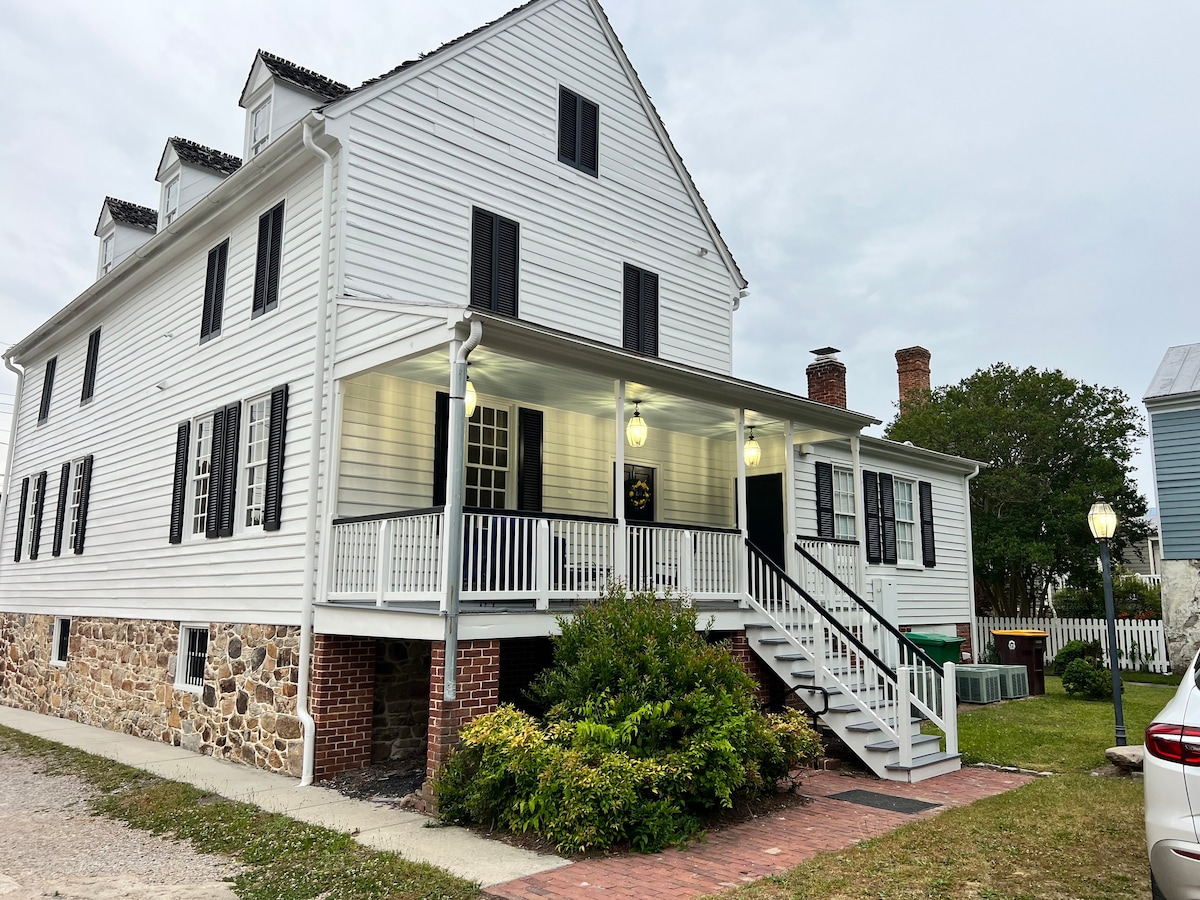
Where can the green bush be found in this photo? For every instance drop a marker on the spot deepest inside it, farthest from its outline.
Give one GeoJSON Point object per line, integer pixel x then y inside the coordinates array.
{"type": "Point", "coordinates": [647, 728]}
{"type": "Point", "coordinates": [1089, 651]}
{"type": "Point", "coordinates": [1131, 597]}
{"type": "Point", "coordinates": [1082, 678]}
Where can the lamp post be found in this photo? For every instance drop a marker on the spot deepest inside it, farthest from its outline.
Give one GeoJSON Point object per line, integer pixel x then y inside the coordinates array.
{"type": "Point", "coordinates": [1103, 523]}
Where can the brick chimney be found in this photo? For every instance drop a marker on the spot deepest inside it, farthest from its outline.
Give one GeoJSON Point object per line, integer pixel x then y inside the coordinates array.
{"type": "Point", "coordinates": [827, 378]}
{"type": "Point", "coordinates": [912, 368]}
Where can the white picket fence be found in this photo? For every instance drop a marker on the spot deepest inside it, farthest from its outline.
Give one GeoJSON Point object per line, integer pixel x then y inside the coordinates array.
{"type": "Point", "coordinates": [1141, 643]}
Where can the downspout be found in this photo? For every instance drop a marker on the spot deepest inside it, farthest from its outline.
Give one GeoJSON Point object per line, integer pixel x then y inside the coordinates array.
{"type": "Point", "coordinates": [12, 441]}
{"type": "Point", "coordinates": [455, 490]}
{"type": "Point", "coordinates": [314, 470]}
{"type": "Point", "coordinates": [971, 564]}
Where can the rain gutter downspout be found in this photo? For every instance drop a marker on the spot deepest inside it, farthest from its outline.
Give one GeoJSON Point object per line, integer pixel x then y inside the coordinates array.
{"type": "Point", "coordinates": [314, 457]}
{"type": "Point", "coordinates": [12, 441]}
{"type": "Point", "coordinates": [455, 490]}
{"type": "Point", "coordinates": [975, 651]}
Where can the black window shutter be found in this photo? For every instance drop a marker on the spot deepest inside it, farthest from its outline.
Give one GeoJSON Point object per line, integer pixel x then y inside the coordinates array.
{"type": "Point", "coordinates": [529, 461]}
{"type": "Point", "coordinates": [214, 291]}
{"type": "Point", "coordinates": [507, 252]}
{"type": "Point", "coordinates": [275, 260]}
{"type": "Point", "coordinates": [483, 240]}
{"type": "Point", "coordinates": [47, 389]}
{"type": "Point", "coordinates": [441, 446]}
{"type": "Point", "coordinates": [60, 513]}
{"type": "Point", "coordinates": [39, 507]}
{"type": "Point", "coordinates": [887, 517]}
{"type": "Point", "coordinates": [267, 261]}
{"type": "Point", "coordinates": [273, 496]}
{"type": "Point", "coordinates": [89, 369]}
{"type": "Point", "coordinates": [928, 553]}
{"type": "Point", "coordinates": [183, 438]}
{"type": "Point", "coordinates": [649, 314]}
{"type": "Point", "coordinates": [631, 323]}
{"type": "Point", "coordinates": [824, 499]}
{"type": "Point", "coordinates": [85, 493]}
{"type": "Point", "coordinates": [589, 135]}
{"type": "Point", "coordinates": [21, 519]}
{"type": "Point", "coordinates": [871, 515]}
{"type": "Point", "coordinates": [226, 511]}
{"type": "Point", "coordinates": [215, 457]}
{"type": "Point", "coordinates": [568, 116]}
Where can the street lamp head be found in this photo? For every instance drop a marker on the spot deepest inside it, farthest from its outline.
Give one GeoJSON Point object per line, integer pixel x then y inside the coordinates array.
{"type": "Point", "coordinates": [1102, 520]}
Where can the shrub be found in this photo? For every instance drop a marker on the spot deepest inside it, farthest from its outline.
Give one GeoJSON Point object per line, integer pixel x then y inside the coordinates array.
{"type": "Point", "coordinates": [1086, 680]}
{"type": "Point", "coordinates": [1090, 651]}
{"type": "Point", "coordinates": [647, 728]}
{"type": "Point", "coordinates": [1131, 596]}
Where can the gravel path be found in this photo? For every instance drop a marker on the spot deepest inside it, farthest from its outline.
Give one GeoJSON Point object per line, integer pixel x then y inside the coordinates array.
{"type": "Point", "coordinates": [50, 846]}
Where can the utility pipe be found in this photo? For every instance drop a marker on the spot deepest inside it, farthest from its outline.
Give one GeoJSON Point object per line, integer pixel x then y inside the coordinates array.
{"type": "Point", "coordinates": [19, 371]}
{"type": "Point", "coordinates": [314, 458]}
{"type": "Point", "coordinates": [455, 489]}
{"type": "Point", "coordinates": [975, 651]}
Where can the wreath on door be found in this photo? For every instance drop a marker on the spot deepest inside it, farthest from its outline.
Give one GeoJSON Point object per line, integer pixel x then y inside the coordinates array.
{"type": "Point", "coordinates": [638, 493]}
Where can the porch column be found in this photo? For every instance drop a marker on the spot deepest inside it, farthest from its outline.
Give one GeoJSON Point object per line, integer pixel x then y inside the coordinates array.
{"type": "Point", "coordinates": [789, 503]}
{"type": "Point", "coordinates": [742, 515]}
{"type": "Point", "coordinates": [860, 521]}
{"type": "Point", "coordinates": [620, 569]}
{"type": "Point", "coordinates": [343, 700]}
{"type": "Point", "coordinates": [478, 693]}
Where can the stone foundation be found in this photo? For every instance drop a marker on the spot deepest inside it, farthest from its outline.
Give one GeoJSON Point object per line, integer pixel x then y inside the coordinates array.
{"type": "Point", "coordinates": [401, 714]}
{"type": "Point", "coordinates": [1181, 610]}
{"type": "Point", "coordinates": [120, 675]}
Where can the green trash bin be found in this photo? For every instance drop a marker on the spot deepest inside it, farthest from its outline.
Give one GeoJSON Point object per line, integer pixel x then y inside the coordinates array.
{"type": "Point", "coordinates": [942, 648]}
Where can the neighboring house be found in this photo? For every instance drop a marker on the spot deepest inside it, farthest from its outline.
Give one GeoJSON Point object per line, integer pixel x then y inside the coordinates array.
{"type": "Point", "coordinates": [257, 509]}
{"type": "Point", "coordinates": [1173, 402]}
{"type": "Point", "coordinates": [1144, 558]}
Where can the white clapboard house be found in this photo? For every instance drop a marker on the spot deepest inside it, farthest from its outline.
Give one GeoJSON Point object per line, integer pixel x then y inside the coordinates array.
{"type": "Point", "coordinates": [255, 493]}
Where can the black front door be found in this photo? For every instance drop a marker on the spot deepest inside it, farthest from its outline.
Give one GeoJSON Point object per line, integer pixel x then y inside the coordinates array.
{"type": "Point", "coordinates": [764, 515]}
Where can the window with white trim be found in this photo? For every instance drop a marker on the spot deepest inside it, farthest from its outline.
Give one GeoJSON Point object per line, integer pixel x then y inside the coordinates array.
{"type": "Point", "coordinates": [171, 201]}
{"type": "Point", "coordinates": [488, 443]}
{"type": "Point", "coordinates": [192, 657]}
{"type": "Point", "coordinates": [107, 253]}
{"type": "Point", "coordinates": [258, 428]}
{"type": "Point", "coordinates": [76, 500]}
{"type": "Point", "coordinates": [260, 127]}
{"type": "Point", "coordinates": [60, 642]}
{"type": "Point", "coordinates": [33, 514]}
{"type": "Point", "coordinates": [843, 505]}
{"type": "Point", "coordinates": [905, 522]}
{"type": "Point", "coordinates": [199, 476]}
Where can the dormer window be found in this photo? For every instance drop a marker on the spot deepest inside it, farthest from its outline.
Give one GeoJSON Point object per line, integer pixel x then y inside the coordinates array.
{"type": "Point", "coordinates": [171, 201]}
{"type": "Point", "coordinates": [107, 253]}
{"type": "Point", "coordinates": [260, 127]}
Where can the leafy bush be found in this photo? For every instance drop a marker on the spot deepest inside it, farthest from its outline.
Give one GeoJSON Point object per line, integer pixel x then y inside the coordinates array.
{"type": "Point", "coordinates": [1131, 597]}
{"type": "Point", "coordinates": [1089, 651]}
{"type": "Point", "coordinates": [1083, 679]}
{"type": "Point", "coordinates": [647, 728]}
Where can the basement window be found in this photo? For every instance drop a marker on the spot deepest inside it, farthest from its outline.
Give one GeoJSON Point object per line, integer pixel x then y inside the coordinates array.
{"type": "Point", "coordinates": [60, 642]}
{"type": "Point", "coordinates": [193, 656]}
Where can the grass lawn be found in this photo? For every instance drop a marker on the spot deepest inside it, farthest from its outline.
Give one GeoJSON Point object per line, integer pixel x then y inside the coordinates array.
{"type": "Point", "coordinates": [1073, 835]}
{"type": "Point", "coordinates": [283, 859]}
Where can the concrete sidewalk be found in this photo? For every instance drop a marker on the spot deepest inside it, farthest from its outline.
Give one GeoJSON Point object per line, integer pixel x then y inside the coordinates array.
{"type": "Point", "coordinates": [374, 825]}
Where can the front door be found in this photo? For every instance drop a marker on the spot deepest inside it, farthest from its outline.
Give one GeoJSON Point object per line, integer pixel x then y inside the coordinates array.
{"type": "Point", "coordinates": [764, 516]}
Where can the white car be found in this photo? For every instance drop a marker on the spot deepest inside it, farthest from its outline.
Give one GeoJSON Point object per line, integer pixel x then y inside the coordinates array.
{"type": "Point", "coordinates": [1172, 781]}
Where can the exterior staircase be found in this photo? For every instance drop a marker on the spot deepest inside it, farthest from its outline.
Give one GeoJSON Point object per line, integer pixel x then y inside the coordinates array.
{"type": "Point", "coordinates": [865, 681]}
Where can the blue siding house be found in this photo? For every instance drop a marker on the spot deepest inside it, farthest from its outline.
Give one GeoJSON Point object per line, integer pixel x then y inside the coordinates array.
{"type": "Point", "coordinates": [1173, 403]}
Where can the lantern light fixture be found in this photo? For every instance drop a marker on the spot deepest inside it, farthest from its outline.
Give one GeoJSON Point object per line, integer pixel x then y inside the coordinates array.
{"type": "Point", "coordinates": [635, 431]}
{"type": "Point", "coordinates": [470, 399]}
{"type": "Point", "coordinates": [1102, 520]}
{"type": "Point", "coordinates": [751, 451]}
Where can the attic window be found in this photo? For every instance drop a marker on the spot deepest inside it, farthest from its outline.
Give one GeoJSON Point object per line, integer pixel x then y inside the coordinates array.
{"type": "Point", "coordinates": [260, 127]}
{"type": "Point", "coordinates": [107, 253]}
{"type": "Point", "coordinates": [171, 201]}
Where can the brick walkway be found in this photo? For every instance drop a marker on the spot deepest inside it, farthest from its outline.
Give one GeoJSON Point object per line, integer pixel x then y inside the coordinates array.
{"type": "Point", "coordinates": [760, 847]}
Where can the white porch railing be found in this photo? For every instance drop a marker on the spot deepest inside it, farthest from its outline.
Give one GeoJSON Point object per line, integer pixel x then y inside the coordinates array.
{"type": "Point", "coordinates": [838, 557]}
{"type": "Point", "coordinates": [1141, 643]}
{"type": "Point", "coordinates": [514, 557]}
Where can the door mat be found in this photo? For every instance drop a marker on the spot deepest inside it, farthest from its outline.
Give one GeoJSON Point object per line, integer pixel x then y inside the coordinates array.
{"type": "Point", "coordinates": [884, 801]}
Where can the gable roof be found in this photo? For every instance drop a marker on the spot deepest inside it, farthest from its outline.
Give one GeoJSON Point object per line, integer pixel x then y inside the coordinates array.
{"type": "Point", "coordinates": [205, 157]}
{"type": "Point", "coordinates": [1178, 373]}
{"type": "Point", "coordinates": [372, 86]}
{"type": "Point", "coordinates": [305, 79]}
{"type": "Point", "coordinates": [126, 213]}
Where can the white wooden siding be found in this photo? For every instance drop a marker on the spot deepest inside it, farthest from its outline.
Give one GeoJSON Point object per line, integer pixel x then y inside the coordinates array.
{"type": "Point", "coordinates": [195, 184]}
{"type": "Point", "coordinates": [128, 568]}
{"type": "Point", "coordinates": [386, 461]}
{"type": "Point", "coordinates": [933, 596]}
{"type": "Point", "coordinates": [481, 129]}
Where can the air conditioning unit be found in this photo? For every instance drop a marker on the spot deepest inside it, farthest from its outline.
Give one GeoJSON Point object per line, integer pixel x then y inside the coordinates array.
{"type": "Point", "coordinates": [978, 684]}
{"type": "Point", "coordinates": [1014, 681]}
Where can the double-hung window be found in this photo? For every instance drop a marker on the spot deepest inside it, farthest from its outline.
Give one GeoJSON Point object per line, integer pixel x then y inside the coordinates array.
{"type": "Point", "coordinates": [192, 657]}
{"type": "Point", "coordinates": [893, 508]}
{"type": "Point", "coordinates": [495, 245]}
{"type": "Point", "coordinates": [33, 513]}
{"type": "Point", "coordinates": [200, 473]}
{"type": "Point", "coordinates": [268, 261]}
{"type": "Point", "coordinates": [639, 331]}
{"type": "Point", "coordinates": [258, 422]}
{"type": "Point", "coordinates": [905, 522]}
{"type": "Point", "coordinates": [260, 127]}
{"type": "Point", "coordinates": [107, 253]}
{"type": "Point", "coordinates": [578, 131]}
{"type": "Point", "coordinates": [843, 505]}
{"type": "Point", "coordinates": [488, 442]}
{"type": "Point", "coordinates": [171, 201]}
{"type": "Point", "coordinates": [74, 485]}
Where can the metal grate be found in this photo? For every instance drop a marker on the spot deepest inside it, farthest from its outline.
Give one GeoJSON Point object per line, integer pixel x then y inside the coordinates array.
{"type": "Point", "coordinates": [978, 684]}
{"type": "Point", "coordinates": [197, 655]}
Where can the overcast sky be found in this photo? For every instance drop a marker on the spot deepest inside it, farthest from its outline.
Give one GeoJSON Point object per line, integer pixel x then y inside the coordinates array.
{"type": "Point", "coordinates": [996, 181]}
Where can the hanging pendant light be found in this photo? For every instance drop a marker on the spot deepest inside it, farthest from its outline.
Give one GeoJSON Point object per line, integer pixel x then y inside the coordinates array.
{"type": "Point", "coordinates": [635, 431]}
{"type": "Point", "coordinates": [470, 399]}
{"type": "Point", "coordinates": [751, 452]}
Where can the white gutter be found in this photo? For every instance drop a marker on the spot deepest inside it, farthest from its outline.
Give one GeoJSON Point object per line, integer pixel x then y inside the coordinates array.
{"type": "Point", "coordinates": [975, 651]}
{"type": "Point", "coordinates": [319, 390]}
{"type": "Point", "coordinates": [455, 491]}
{"type": "Point", "coordinates": [12, 442]}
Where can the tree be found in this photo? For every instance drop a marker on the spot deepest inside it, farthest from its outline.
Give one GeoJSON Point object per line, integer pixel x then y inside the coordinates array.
{"type": "Point", "coordinates": [1051, 445]}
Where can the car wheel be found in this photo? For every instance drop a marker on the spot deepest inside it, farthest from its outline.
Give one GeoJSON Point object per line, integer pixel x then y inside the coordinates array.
{"type": "Point", "coordinates": [1155, 890]}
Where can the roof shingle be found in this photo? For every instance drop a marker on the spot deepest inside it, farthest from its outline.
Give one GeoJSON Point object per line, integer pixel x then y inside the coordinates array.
{"type": "Point", "coordinates": [206, 157]}
{"type": "Point", "coordinates": [132, 214]}
{"type": "Point", "coordinates": [307, 79]}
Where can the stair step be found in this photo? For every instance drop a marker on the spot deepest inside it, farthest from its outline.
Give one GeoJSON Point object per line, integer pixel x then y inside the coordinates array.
{"type": "Point", "coordinates": [920, 762]}
{"type": "Point", "coordinates": [868, 727]}
{"type": "Point", "coordinates": [917, 740]}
